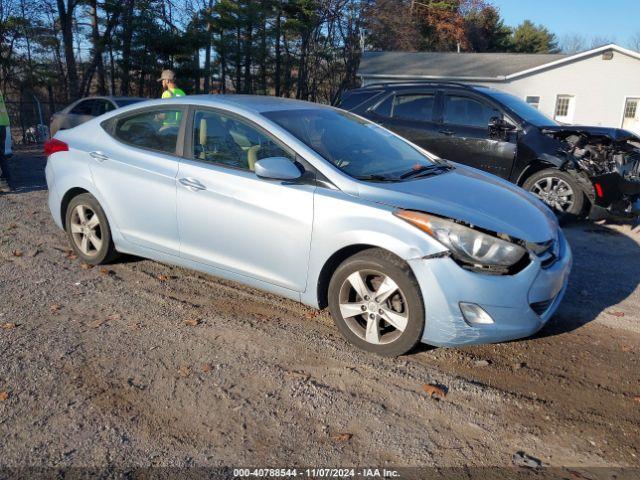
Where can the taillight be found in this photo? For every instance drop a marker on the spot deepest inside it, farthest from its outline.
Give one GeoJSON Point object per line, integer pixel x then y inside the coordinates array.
{"type": "Point", "coordinates": [599, 190]}
{"type": "Point", "coordinates": [54, 145]}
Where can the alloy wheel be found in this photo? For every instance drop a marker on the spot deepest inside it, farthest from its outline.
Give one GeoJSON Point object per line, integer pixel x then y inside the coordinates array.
{"type": "Point", "coordinates": [555, 192]}
{"type": "Point", "coordinates": [373, 306]}
{"type": "Point", "coordinates": [86, 230]}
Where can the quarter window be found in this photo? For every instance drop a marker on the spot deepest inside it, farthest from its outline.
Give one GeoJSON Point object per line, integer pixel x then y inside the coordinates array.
{"type": "Point", "coordinates": [467, 111]}
{"type": "Point", "coordinates": [224, 140]}
{"type": "Point", "coordinates": [153, 130]}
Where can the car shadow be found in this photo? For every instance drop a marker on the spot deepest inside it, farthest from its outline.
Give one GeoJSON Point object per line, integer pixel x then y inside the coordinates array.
{"type": "Point", "coordinates": [605, 272]}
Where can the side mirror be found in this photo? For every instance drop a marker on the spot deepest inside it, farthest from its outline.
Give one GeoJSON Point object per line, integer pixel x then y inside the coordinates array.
{"type": "Point", "coordinates": [277, 168]}
{"type": "Point", "coordinates": [499, 124]}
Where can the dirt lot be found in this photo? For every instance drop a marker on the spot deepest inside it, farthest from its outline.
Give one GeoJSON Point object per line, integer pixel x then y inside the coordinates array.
{"type": "Point", "coordinates": [144, 364]}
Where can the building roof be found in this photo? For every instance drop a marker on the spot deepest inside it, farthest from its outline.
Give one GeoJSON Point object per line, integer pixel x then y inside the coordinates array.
{"type": "Point", "coordinates": [467, 66]}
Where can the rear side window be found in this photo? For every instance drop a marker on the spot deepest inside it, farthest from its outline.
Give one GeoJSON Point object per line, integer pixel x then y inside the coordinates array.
{"type": "Point", "coordinates": [85, 107]}
{"type": "Point", "coordinates": [467, 111]}
{"type": "Point", "coordinates": [352, 100]}
{"type": "Point", "coordinates": [153, 130]}
{"type": "Point", "coordinates": [102, 106]}
{"type": "Point", "coordinates": [417, 107]}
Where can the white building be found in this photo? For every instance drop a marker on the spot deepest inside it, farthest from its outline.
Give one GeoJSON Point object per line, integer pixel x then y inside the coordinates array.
{"type": "Point", "coordinates": [597, 87]}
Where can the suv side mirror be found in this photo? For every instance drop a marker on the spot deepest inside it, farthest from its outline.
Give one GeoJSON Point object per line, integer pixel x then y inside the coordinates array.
{"type": "Point", "coordinates": [499, 124]}
{"type": "Point", "coordinates": [277, 168]}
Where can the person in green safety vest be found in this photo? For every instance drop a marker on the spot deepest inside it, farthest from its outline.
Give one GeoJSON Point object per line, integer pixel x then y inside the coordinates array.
{"type": "Point", "coordinates": [5, 146]}
{"type": "Point", "coordinates": [170, 90]}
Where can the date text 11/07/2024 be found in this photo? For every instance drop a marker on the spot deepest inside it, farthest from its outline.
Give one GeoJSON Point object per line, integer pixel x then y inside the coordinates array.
{"type": "Point", "coordinates": [316, 472]}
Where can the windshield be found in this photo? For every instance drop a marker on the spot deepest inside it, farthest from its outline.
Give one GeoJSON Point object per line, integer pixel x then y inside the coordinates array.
{"type": "Point", "coordinates": [521, 108]}
{"type": "Point", "coordinates": [356, 146]}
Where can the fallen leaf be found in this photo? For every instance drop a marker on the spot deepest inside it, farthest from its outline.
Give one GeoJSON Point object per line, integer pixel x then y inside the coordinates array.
{"type": "Point", "coordinates": [434, 390]}
{"type": "Point", "coordinates": [114, 316]}
{"type": "Point", "coordinates": [86, 266]}
{"type": "Point", "coordinates": [626, 348]}
{"type": "Point", "coordinates": [207, 367]}
{"type": "Point", "coordinates": [162, 278]}
{"type": "Point", "coordinates": [55, 307]}
{"type": "Point", "coordinates": [95, 323]}
{"type": "Point", "coordinates": [343, 437]}
{"type": "Point", "coordinates": [3, 396]}
{"type": "Point", "coordinates": [184, 371]}
{"type": "Point", "coordinates": [8, 326]}
{"type": "Point", "coordinates": [616, 314]}
{"type": "Point", "coordinates": [636, 399]}
{"type": "Point", "coordinates": [192, 322]}
{"type": "Point", "coordinates": [106, 271]}
{"type": "Point", "coordinates": [17, 253]}
{"type": "Point", "coordinates": [70, 255]}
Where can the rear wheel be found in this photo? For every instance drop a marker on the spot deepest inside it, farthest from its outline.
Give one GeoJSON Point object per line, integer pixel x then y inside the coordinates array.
{"type": "Point", "coordinates": [88, 230]}
{"type": "Point", "coordinates": [376, 303]}
{"type": "Point", "coordinates": [557, 189]}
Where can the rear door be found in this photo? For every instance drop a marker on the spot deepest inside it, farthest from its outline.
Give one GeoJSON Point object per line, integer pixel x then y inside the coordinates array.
{"type": "Point", "coordinates": [466, 138]}
{"type": "Point", "coordinates": [135, 170]}
{"type": "Point", "coordinates": [411, 114]}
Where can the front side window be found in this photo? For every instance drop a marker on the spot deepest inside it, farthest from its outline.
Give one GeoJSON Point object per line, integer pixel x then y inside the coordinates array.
{"type": "Point", "coordinates": [356, 146]}
{"type": "Point", "coordinates": [224, 140]}
{"type": "Point", "coordinates": [154, 130]}
{"type": "Point", "coordinates": [467, 111]}
{"type": "Point", "coordinates": [85, 107]}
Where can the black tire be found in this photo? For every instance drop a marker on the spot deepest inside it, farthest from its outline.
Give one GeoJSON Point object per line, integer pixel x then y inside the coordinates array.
{"type": "Point", "coordinates": [572, 211]}
{"type": "Point", "coordinates": [96, 256]}
{"type": "Point", "coordinates": [408, 296]}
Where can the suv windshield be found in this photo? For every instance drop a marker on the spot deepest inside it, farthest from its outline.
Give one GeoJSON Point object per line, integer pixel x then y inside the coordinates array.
{"type": "Point", "coordinates": [521, 108]}
{"type": "Point", "coordinates": [356, 146]}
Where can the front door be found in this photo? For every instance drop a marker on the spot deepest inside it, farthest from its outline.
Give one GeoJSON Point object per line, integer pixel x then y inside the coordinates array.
{"type": "Point", "coordinates": [231, 219]}
{"type": "Point", "coordinates": [466, 137]}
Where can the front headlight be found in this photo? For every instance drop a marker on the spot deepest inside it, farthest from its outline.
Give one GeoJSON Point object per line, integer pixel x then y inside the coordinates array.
{"type": "Point", "coordinates": [466, 244]}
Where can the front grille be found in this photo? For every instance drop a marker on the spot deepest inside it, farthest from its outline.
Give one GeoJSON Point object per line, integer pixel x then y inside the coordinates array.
{"type": "Point", "coordinates": [541, 307]}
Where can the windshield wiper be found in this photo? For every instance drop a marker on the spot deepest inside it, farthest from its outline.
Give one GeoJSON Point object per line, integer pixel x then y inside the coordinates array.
{"type": "Point", "coordinates": [425, 170]}
{"type": "Point", "coordinates": [376, 178]}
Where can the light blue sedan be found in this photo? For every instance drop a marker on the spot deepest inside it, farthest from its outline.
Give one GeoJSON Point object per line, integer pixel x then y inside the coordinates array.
{"type": "Point", "coordinates": [319, 206]}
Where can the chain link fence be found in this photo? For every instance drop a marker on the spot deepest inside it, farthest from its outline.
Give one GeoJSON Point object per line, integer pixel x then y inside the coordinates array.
{"type": "Point", "coordinates": [29, 118]}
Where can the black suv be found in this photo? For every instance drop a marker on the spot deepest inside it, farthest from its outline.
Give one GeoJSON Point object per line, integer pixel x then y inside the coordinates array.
{"type": "Point", "coordinates": [576, 170]}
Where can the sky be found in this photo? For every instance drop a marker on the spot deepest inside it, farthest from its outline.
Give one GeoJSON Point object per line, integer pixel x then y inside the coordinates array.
{"type": "Point", "coordinates": [614, 19]}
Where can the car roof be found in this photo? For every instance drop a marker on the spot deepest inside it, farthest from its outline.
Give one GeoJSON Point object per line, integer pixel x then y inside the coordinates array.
{"type": "Point", "coordinates": [408, 85]}
{"type": "Point", "coordinates": [114, 98]}
{"type": "Point", "coordinates": [250, 103]}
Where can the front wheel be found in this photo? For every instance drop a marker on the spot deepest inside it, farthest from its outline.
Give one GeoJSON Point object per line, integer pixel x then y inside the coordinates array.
{"type": "Point", "coordinates": [558, 189]}
{"type": "Point", "coordinates": [376, 303]}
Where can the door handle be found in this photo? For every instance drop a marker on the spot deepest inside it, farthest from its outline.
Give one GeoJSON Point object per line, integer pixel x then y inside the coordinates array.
{"type": "Point", "coordinates": [447, 132]}
{"type": "Point", "coordinates": [192, 184]}
{"type": "Point", "coordinates": [101, 157]}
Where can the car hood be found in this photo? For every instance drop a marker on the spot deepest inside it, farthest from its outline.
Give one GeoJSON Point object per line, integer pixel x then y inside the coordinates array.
{"type": "Point", "coordinates": [474, 197]}
{"type": "Point", "coordinates": [615, 134]}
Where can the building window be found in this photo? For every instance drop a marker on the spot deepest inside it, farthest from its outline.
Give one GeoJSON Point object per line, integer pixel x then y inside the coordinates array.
{"type": "Point", "coordinates": [565, 105]}
{"type": "Point", "coordinates": [631, 108]}
{"type": "Point", "coordinates": [534, 101]}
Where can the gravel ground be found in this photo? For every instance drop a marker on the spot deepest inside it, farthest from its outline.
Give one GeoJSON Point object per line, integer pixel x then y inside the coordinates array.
{"type": "Point", "coordinates": [143, 364]}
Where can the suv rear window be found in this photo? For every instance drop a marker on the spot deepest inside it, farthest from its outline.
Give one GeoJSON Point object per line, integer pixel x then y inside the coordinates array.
{"type": "Point", "coordinates": [352, 100]}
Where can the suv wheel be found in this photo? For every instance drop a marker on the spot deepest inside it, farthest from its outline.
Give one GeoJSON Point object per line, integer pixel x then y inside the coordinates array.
{"type": "Point", "coordinates": [557, 189]}
{"type": "Point", "coordinates": [376, 303]}
{"type": "Point", "coordinates": [88, 230]}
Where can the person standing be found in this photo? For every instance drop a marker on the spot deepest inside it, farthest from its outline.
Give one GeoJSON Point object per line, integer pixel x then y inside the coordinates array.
{"type": "Point", "coordinates": [5, 146]}
{"type": "Point", "coordinates": [169, 87]}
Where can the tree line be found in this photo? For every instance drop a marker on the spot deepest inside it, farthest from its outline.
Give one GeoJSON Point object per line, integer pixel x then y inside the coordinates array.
{"type": "Point", "coordinates": [306, 49]}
